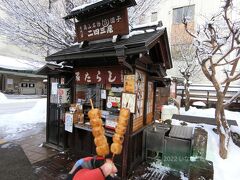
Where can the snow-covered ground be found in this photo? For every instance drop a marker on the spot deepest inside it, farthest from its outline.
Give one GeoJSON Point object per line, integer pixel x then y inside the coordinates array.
{"type": "Point", "coordinates": [193, 111]}
{"type": "Point", "coordinates": [20, 116]}
{"type": "Point", "coordinates": [229, 168]}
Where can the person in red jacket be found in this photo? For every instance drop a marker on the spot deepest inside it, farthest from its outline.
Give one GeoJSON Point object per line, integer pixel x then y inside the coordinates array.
{"type": "Point", "coordinates": [92, 168]}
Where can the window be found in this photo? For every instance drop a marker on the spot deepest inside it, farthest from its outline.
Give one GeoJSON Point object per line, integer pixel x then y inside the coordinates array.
{"type": "Point", "coordinates": [31, 85]}
{"type": "Point", "coordinates": [154, 17]}
{"type": "Point", "coordinates": [180, 13]}
{"type": "Point", "coordinates": [24, 85]}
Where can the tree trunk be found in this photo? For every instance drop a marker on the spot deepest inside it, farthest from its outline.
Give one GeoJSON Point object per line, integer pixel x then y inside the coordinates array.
{"type": "Point", "coordinates": [222, 126]}
{"type": "Point", "coordinates": [187, 95]}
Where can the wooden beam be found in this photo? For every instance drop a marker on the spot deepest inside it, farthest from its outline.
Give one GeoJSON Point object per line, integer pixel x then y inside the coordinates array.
{"type": "Point", "coordinates": [122, 61]}
{"type": "Point", "coordinates": [163, 51]}
{"type": "Point", "coordinates": [145, 58]}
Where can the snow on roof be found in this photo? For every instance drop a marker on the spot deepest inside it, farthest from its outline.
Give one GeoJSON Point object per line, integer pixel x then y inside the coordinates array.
{"type": "Point", "coordinates": [83, 6]}
{"type": "Point", "coordinates": [155, 23]}
{"type": "Point", "coordinates": [19, 64]}
{"type": "Point", "coordinates": [139, 29]}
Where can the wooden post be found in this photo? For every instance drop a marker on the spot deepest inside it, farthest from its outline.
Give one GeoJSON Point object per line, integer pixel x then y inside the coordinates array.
{"type": "Point", "coordinates": [145, 101]}
{"type": "Point", "coordinates": [48, 107]}
{"type": "Point", "coordinates": [207, 99]}
{"type": "Point", "coordinates": [125, 149]}
{"type": "Point", "coordinates": [182, 100]}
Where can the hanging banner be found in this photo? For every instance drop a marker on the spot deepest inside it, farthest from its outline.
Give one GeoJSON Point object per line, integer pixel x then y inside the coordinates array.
{"type": "Point", "coordinates": [103, 75]}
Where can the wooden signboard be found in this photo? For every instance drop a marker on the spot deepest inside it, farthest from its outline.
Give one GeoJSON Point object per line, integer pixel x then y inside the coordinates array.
{"type": "Point", "coordinates": [105, 26]}
{"type": "Point", "coordinates": [140, 82]}
{"type": "Point", "coordinates": [101, 75]}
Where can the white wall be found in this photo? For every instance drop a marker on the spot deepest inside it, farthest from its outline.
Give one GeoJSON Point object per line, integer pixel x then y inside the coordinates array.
{"type": "Point", "coordinates": [165, 8]}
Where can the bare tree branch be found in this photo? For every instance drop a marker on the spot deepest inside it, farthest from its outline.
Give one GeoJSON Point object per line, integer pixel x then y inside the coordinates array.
{"type": "Point", "coordinates": [33, 25]}
{"type": "Point", "coordinates": [227, 103]}
{"type": "Point", "coordinates": [217, 48]}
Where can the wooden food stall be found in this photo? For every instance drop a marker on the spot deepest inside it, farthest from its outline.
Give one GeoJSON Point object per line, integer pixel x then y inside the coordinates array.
{"type": "Point", "coordinates": [113, 74]}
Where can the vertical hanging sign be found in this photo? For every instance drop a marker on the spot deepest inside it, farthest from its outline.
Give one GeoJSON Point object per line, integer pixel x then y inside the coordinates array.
{"type": "Point", "coordinates": [64, 95]}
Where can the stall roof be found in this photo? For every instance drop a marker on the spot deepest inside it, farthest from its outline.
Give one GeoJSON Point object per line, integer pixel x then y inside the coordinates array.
{"type": "Point", "coordinates": [22, 73]}
{"type": "Point", "coordinates": [52, 69]}
{"type": "Point", "coordinates": [95, 9]}
{"type": "Point", "coordinates": [141, 43]}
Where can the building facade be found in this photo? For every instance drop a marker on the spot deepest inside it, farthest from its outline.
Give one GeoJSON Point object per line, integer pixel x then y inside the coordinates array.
{"type": "Point", "coordinates": [18, 77]}
{"type": "Point", "coordinates": [171, 13]}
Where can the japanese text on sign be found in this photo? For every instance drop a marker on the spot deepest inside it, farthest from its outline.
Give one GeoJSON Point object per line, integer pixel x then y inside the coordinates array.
{"type": "Point", "coordinates": [64, 95]}
{"type": "Point", "coordinates": [104, 75]}
{"type": "Point", "coordinates": [103, 26]}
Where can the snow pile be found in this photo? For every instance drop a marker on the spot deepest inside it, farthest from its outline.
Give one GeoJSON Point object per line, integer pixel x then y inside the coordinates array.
{"type": "Point", "coordinates": [81, 7]}
{"type": "Point", "coordinates": [182, 176]}
{"type": "Point", "coordinates": [21, 115]}
{"type": "Point", "coordinates": [199, 103]}
{"type": "Point", "coordinates": [210, 112]}
{"type": "Point", "coordinates": [223, 169]}
{"type": "Point", "coordinates": [157, 167]}
{"type": "Point", "coordinates": [19, 112]}
{"type": "Point", "coordinates": [3, 98]}
{"type": "Point", "coordinates": [235, 129]}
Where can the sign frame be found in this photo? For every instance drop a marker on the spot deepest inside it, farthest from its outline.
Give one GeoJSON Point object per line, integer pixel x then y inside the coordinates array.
{"type": "Point", "coordinates": [129, 100]}
{"type": "Point", "coordinates": [103, 26]}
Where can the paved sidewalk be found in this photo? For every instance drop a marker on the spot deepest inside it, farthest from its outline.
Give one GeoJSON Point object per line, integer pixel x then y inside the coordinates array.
{"type": "Point", "coordinates": [14, 163]}
{"type": "Point", "coordinates": [33, 147]}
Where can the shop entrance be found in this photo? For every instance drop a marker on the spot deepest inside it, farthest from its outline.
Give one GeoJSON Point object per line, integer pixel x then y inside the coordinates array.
{"type": "Point", "coordinates": [59, 102]}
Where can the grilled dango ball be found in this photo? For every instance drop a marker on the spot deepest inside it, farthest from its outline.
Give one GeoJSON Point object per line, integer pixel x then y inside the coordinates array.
{"type": "Point", "coordinates": [124, 113]}
{"type": "Point", "coordinates": [116, 148]}
{"type": "Point", "coordinates": [118, 138]}
{"type": "Point", "coordinates": [100, 140]}
{"type": "Point", "coordinates": [94, 113]}
{"type": "Point", "coordinates": [102, 150]}
{"type": "Point", "coordinates": [122, 121]}
{"type": "Point", "coordinates": [98, 131]}
{"type": "Point", "coordinates": [96, 122]}
{"type": "Point", "coordinates": [120, 130]}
